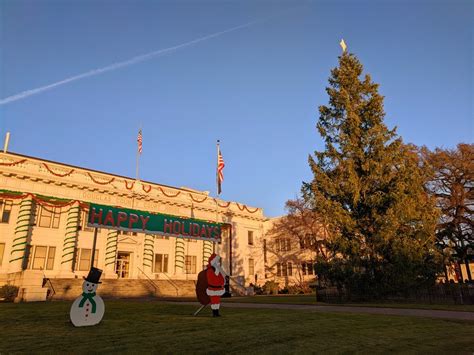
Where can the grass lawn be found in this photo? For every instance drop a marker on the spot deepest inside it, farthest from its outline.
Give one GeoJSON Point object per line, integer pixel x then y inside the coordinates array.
{"type": "Point", "coordinates": [132, 326]}
{"type": "Point", "coordinates": [311, 299]}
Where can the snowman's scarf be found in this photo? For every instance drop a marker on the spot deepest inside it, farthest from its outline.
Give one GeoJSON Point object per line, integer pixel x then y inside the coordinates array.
{"type": "Point", "coordinates": [90, 297]}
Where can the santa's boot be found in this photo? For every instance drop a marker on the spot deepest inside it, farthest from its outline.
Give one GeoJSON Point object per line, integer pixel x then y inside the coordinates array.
{"type": "Point", "coordinates": [215, 313]}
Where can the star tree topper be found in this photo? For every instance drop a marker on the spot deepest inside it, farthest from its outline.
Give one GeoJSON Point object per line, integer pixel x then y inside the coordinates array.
{"type": "Point", "coordinates": [343, 45]}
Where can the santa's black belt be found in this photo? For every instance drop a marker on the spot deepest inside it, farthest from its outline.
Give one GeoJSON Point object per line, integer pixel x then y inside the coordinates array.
{"type": "Point", "coordinates": [215, 286]}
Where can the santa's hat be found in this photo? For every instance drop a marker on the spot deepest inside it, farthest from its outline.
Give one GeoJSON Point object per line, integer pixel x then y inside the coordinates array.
{"type": "Point", "coordinates": [213, 259]}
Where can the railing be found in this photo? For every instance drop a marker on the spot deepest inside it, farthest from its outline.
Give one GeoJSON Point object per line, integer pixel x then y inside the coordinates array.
{"type": "Point", "coordinates": [234, 284]}
{"type": "Point", "coordinates": [46, 280]}
{"type": "Point", "coordinates": [172, 283]}
{"type": "Point", "coordinates": [149, 280]}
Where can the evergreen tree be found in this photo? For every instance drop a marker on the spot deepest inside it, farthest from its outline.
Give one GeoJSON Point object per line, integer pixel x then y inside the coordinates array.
{"type": "Point", "coordinates": [368, 188]}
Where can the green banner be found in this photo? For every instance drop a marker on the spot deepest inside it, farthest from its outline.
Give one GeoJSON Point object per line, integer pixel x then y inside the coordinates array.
{"type": "Point", "coordinates": [125, 219]}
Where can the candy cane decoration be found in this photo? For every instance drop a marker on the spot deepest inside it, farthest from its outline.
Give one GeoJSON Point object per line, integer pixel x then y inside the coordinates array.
{"type": "Point", "coordinates": [148, 250]}
{"type": "Point", "coordinates": [111, 247]}
{"type": "Point", "coordinates": [70, 237]}
{"type": "Point", "coordinates": [206, 251]}
{"type": "Point", "coordinates": [22, 230]}
{"type": "Point", "coordinates": [179, 255]}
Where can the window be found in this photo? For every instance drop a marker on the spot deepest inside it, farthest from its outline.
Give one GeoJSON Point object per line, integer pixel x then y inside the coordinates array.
{"type": "Point", "coordinates": [2, 250]}
{"type": "Point", "coordinates": [251, 267]}
{"type": "Point", "coordinates": [190, 264]}
{"type": "Point", "coordinates": [250, 237]}
{"type": "Point", "coordinates": [49, 217]}
{"type": "Point", "coordinates": [307, 268]}
{"type": "Point", "coordinates": [50, 260]}
{"type": "Point", "coordinates": [83, 225]}
{"type": "Point", "coordinates": [5, 210]}
{"type": "Point", "coordinates": [284, 269]}
{"type": "Point", "coordinates": [161, 263]}
{"type": "Point", "coordinates": [307, 242]}
{"type": "Point", "coordinates": [282, 244]}
{"type": "Point", "coordinates": [40, 257]}
{"type": "Point", "coordinates": [161, 237]}
{"type": "Point", "coordinates": [83, 259]}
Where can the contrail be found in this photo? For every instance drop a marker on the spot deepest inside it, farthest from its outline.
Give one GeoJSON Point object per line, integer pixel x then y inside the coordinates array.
{"type": "Point", "coordinates": [118, 65]}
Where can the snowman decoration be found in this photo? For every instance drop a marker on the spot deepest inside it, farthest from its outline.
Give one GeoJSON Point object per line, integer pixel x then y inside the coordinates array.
{"type": "Point", "coordinates": [88, 309]}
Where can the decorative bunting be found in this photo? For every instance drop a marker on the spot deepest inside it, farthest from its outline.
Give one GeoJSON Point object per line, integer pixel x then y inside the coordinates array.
{"type": "Point", "coordinates": [14, 163]}
{"type": "Point", "coordinates": [99, 182]}
{"type": "Point", "coordinates": [56, 174]}
{"type": "Point", "coordinates": [128, 185]}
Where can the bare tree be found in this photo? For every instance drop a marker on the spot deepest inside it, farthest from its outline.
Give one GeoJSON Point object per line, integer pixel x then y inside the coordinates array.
{"type": "Point", "coordinates": [303, 225]}
{"type": "Point", "coordinates": [452, 183]}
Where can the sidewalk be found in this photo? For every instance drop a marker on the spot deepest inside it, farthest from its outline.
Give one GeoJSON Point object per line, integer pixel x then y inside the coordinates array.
{"type": "Point", "coordinates": [351, 309]}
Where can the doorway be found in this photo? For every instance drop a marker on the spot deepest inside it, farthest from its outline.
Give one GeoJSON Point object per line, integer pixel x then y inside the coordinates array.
{"type": "Point", "coordinates": [122, 267]}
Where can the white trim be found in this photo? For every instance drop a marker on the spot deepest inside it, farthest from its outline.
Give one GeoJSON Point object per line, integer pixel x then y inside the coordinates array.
{"type": "Point", "coordinates": [215, 292]}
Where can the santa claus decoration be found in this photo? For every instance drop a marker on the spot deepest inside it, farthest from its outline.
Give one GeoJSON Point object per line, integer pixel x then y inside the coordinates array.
{"type": "Point", "coordinates": [210, 285]}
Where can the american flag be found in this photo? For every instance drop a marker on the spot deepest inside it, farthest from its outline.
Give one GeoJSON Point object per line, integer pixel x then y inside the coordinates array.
{"type": "Point", "coordinates": [140, 141]}
{"type": "Point", "coordinates": [220, 168]}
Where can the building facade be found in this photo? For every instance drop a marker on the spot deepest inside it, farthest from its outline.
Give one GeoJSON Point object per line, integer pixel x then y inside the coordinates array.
{"type": "Point", "coordinates": [289, 261]}
{"type": "Point", "coordinates": [44, 233]}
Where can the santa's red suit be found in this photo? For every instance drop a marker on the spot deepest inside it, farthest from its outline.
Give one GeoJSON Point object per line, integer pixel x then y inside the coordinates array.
{"type": "Point", "coordinates": [215, 283]}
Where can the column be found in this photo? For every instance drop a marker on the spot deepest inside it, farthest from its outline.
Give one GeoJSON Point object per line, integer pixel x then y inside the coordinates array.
{"type": "Point", "coordinates": [22, 235]}
{"type": "Point", "coordinates": [111, 253]}
{"type": "Point", "coordinates": [148, 250]}
{"type": "Point", "coordinates": [70, 238]}
{"type": "Point", "coordinates": [179, 256]}
{"type": "Point", "coordinates": [206, 251]}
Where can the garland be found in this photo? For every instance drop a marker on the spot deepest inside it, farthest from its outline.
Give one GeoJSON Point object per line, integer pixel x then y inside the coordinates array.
{"type": "Point", "coordinates": [224, 205]}
{"type": "Point", "coordinates": [144, 189]}
{"type": "Point", "coordinates": [56, 174]}
{"type": "Point", "coordinates": [126, 185]}
{"type": "Point", "coordinates": [192, 198]}
{"type": "Point", "coordinates": [246, 208]}
{"type": "Point", "coordinates": [101, 183]}
{"type": "Point", "coordinates": [13, 195]}
{"type": "Point", "coordinates": [44, 201]}
{"type": "Point", "coordinates": [14, 163]}
{"type": "Point", "coordinates": [164, 193]}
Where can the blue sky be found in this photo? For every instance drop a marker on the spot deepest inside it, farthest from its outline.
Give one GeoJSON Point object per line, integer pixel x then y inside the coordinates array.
{"type": "Point", "coordinates": [256, 89]}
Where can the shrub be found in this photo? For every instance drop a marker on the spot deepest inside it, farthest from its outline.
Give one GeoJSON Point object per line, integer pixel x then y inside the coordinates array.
{"type": "Point", "coordinates": [296, 290]}
{"type": "Point", "coordinates": [8, 292]}
{"type": "Point", "coordinates": [258, 290]}
{"type": "Point", "coordinates": [270, 288]}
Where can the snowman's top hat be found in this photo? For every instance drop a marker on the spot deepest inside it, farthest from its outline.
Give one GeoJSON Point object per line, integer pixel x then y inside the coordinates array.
{"type": "Point", "coordinates": [94, 275]}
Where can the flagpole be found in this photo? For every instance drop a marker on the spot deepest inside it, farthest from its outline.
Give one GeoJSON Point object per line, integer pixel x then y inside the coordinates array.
{"type": "Point", "coordinates": [217, 192]}
{"type": "Point", "coordinates": [138, 158]}
{"type": "Point", "coordinates": [138, 153]}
